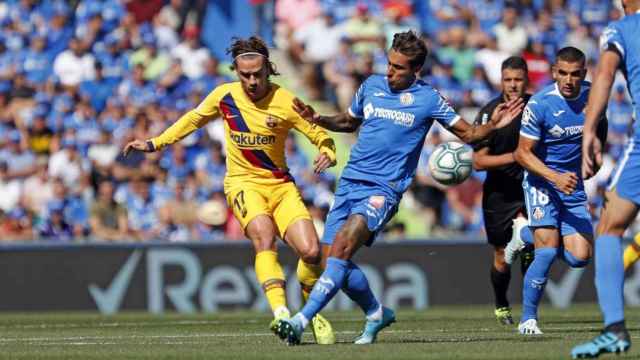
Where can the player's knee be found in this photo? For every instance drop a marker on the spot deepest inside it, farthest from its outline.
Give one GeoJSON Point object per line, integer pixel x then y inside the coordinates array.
{"type": "Point", "coordinates": [577, 259]}
{"type": "Point", "coordinates": [310, 254]}
{"type": "Point", "coordinates": [342, 247]}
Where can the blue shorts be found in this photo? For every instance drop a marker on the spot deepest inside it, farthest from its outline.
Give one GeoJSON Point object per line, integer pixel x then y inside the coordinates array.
{"type": "Point", "coordinates": [375, 203]}
{"type": "Point", "coordinates": [545, 208]}
{"type": "Point", "coordinates": [625, 180]}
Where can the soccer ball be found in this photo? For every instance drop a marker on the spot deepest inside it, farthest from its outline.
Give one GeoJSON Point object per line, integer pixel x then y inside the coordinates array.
{"type": "Point", "coordinates": [451, 163]}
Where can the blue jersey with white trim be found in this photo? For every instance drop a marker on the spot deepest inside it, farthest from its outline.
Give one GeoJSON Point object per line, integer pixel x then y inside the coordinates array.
{"type": "Point", "coordinates": [394, 125]}
{"type": "Point", "coordinates": [622, 36]}
{"type": "Point", "coordinates": [556, 123]}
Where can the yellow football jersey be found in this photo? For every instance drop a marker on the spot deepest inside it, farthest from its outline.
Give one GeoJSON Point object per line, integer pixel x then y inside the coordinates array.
{"type": "Point", "coordinates": [255, 132]}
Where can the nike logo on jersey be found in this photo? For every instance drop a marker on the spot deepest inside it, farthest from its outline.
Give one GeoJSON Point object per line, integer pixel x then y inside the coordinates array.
{"type": "Point", "coordinates": [558, 113]}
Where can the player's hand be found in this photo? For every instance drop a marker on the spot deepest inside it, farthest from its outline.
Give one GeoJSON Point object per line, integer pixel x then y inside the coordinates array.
{"type": "Point", "coordinates": [305, 111]}
{"type": "Point", "coordinates": [566, 182]}
{"type": "Point", "coordinates": [138, 145]}
{"type": "Point", "coordinates": [322, 162]}
{"type": "Point", "coordinates": [591, 155]}
{"type": "Point", "coordinates": [504, 113]}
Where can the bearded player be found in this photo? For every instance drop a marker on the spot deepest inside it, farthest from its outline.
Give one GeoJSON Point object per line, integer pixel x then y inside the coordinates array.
{"type": "Point", "coordinates": [257, 118]}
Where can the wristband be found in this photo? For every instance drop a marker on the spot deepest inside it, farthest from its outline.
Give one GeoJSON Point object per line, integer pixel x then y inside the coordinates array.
{"type": "Point", "coordinates": [150, 147]}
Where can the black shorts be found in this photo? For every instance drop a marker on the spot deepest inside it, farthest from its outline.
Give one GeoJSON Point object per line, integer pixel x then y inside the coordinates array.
{"type": "Point", "coordinates": [498, 221]}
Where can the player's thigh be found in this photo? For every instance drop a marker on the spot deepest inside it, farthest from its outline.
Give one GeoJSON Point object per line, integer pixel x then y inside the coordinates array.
{"type": "Point", "coordinates": [616, 215]}
{"type": "Point", "coordinates": [546, 236]}
{"type": "Point", "coordinates": [351, 236]}
{"type": "Point", "coordinates": [287, 208]}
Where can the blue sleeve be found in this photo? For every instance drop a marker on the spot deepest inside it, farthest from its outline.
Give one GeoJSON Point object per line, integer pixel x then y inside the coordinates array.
{"type": "Point", "coordinates": [611, 39]}
{"type": "Point", "coordinates": [532, 118]}
{"type": "Point", "coordinates": [357, 104]}
{"type": "Point", "coordinates": [442, 112]}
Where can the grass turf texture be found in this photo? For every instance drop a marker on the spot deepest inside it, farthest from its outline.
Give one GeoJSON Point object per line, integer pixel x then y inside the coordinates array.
{"type": "Point", "coordinates": [453, 332]}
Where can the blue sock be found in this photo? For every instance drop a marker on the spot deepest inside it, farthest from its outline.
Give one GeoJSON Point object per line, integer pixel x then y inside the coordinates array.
{"type": "Point", "coordinates": [535, 280]}
{"type": "Point", "coordinates": [610, 278]}
{"type": "Point", "coordinates": [527, 235]}
{"type": "Point", "coordinates": [356, 286]}
{"type": "Point", "coordinates": [571, 260]}
{"type": "Point", "coordinates": [326, 287]}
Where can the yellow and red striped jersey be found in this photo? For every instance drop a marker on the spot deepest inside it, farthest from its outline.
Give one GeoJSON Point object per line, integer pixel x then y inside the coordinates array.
{"type": "Point", "coordinates": [255, 132]}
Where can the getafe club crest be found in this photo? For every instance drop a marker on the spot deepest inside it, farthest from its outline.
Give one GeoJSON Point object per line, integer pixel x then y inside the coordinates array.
{"type": "Point", "coordinates": [271, 121]}
{"type": "Point", "coordinates": [406, 99]}
{"type": "Point", "coordinates": [538, 213]}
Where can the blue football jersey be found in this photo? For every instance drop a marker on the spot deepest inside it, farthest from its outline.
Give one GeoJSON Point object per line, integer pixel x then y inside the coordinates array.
{"type": "Point", "coordinates": [622, 36]}
{"type": "Point", "coordinates": [394, 125]}
{"type": "Point", "coordinates": [556, 123]}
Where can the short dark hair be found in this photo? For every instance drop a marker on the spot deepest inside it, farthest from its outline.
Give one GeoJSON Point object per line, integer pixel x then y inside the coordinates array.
{"type": "Point", "coordinates": [254, 44]}
{"type": "Point", "coordinates": [410, 45]}
{"type": "Point", "coordinates": [515, 63]}
{"type": "Point", "coordinates": [571, 55]}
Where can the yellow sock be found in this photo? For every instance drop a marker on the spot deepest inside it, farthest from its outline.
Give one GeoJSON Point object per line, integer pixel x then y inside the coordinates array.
{"type": "Point", "coordinates": [632, 252]}
{"type": "Point", "coordinates": [271, 277]}
{"type": "Point", "coordinates": [308, 274]}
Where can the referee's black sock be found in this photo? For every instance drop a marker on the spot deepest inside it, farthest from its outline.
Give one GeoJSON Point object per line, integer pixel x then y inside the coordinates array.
{"type": "Point", "coordinates": [500, 282]}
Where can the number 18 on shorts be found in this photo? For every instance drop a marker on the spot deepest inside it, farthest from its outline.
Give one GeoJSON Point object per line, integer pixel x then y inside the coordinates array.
{"type": "Point", "coordinates": [545, 208]}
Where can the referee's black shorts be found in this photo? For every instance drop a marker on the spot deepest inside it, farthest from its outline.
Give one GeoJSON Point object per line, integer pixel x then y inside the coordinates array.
{"type": "Point", "coordinates": [499, 208]}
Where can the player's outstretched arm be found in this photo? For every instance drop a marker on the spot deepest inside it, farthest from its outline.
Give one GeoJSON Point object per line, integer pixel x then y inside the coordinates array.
{"type": "Point", "coordinates": [342, 122]}
{"type": "Point", "coordinates": [598, 97]}
{"type": "Point", "coordinates": [502, 116]}
{"type": "Point", "coordinates": [524, 155]}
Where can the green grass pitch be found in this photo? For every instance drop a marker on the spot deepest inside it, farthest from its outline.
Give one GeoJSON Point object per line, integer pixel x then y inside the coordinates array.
{"type": "Point", "coordinates": [455, 332]}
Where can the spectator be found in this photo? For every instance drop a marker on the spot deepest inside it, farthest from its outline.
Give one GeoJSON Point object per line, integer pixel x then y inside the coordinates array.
{"type": "Point", "coordinates": [55, 227]}
{"type": "Point", "coordinates": [313, 45]}
{"type": "Point", "coordinates": [20, 160]}
{"type": "Point", "coordinates": [38, 189]}
{"type": "Point", "coordinates": [192, 56]}
{"type": "Point", "coordinates": [491, 58]}
{"type": "Point", "coordinates": [154, 62]}
{"type": "Point", "coordinates": [67, 163]}
{"type": "Point", "coordinates": [74, 65]}
{"type": "Point", "coordinates": [39, 136]}
{"type": "Point", "coordinates": [36, 62]}
{"type": "Point", "coordinates": [108, 219]}
{"type": "Point", "coordinates": [10, 189]}
{"type": "Point", "coordinates": [97, 90]}
{"type": "Point", "coordinates": [363, 31]}
{"type": "Point", "coordinates": [461, 56]}
{"type": "Point", "coordinates": [511, 36]}
{"type": "Point", "coordinates": [143, 219]}
{"type": "Point", "coordinates": [537, 63]}
{"type": "Point", "coordinates": [17, 225]}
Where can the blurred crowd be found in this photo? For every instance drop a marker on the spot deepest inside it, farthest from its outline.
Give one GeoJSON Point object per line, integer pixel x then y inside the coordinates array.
{"type": "Point", "coordinates": [79, 79]}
